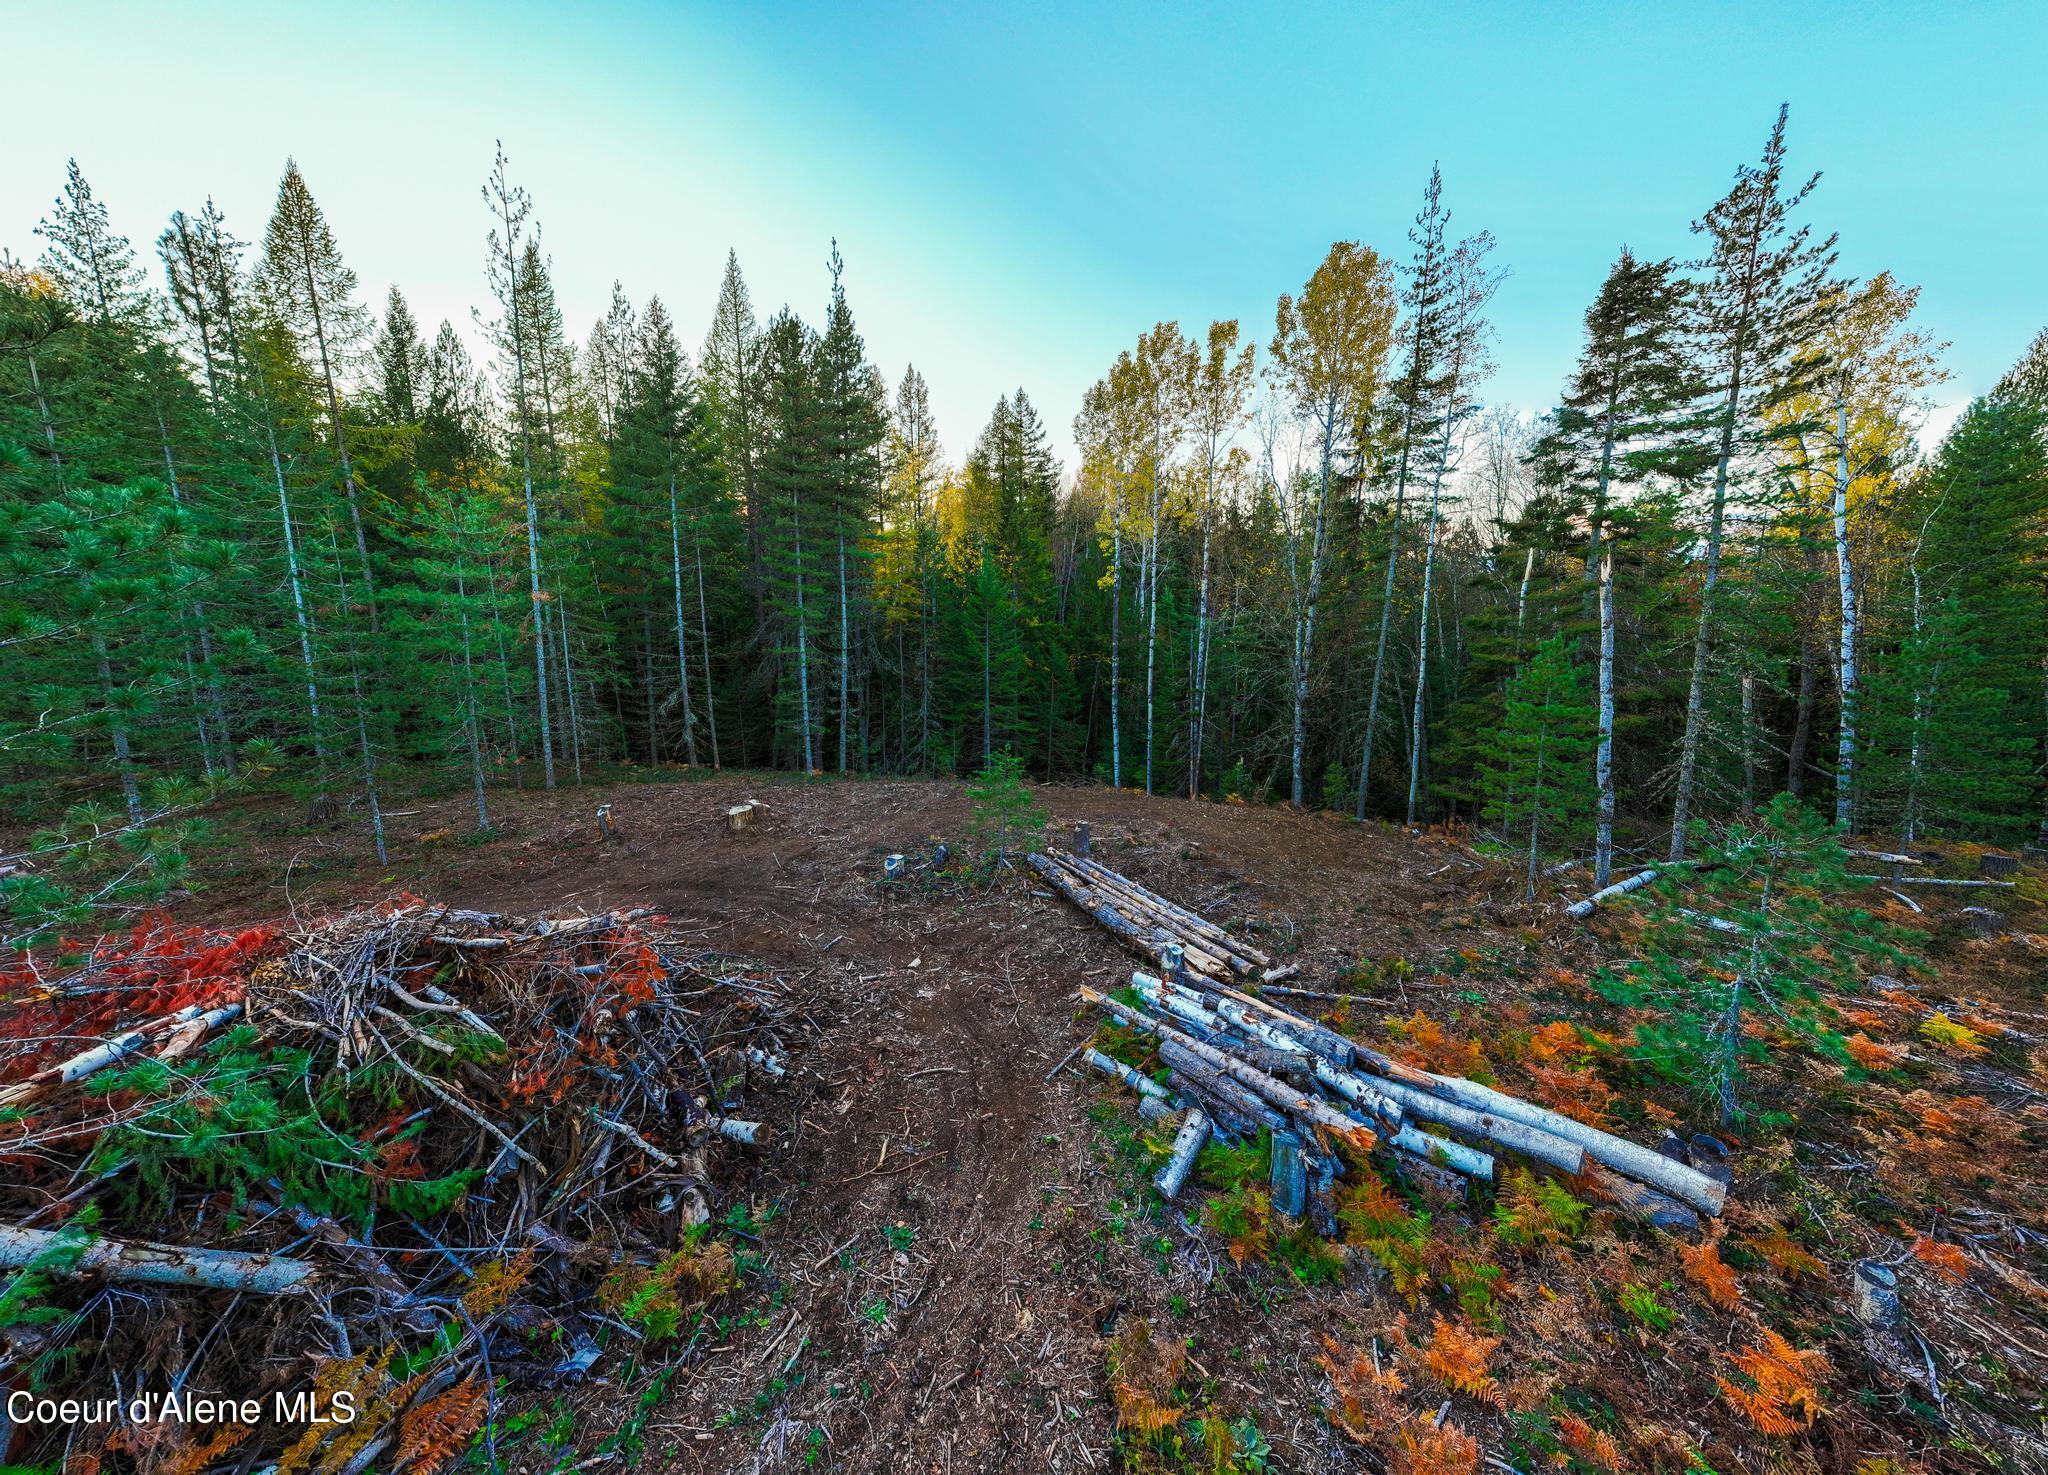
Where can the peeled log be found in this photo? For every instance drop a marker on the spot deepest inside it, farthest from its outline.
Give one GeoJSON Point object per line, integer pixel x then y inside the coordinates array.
{"type": "Point", "coordinates": [1187, 1144]}
{"type": "Point", "coordinates": [1137, 1080]}
{"type": "Point", "coordinates": [1317, 1113]}
{"type": "Point", "coordinates": [1644, 1164]}
{"type": "Point", "coordinates": [151, 1264]}
{"type": "Point", "coordinates": [1592, 903]}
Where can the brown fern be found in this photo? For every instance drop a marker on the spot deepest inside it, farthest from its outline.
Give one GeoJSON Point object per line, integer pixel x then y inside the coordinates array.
{"type": "Point", "coordinates": [1778, 1391]}
{"type": "Point", "coordinates": [196, 1457]}
{"type": "Point", "coordinates": [1705, 1268]}
{"type": "Point", "coordinates": [439, 1429]}
{"type": "Point", "coordinates": [1424, 1447]}
{"type": "Point", "coordinates": [1364, 1391]}
{"type": "Point", "coordinates": [1457, 1356]}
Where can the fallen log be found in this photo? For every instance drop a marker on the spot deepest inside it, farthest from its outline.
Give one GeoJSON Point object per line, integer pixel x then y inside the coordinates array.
{"type": "Point", "coordinates": [1444, 1153]}
{"type": "Point", "coordinates": [1187, 1144]}
{"type": "Point", "coordinates": [1230, 1103]}
{"type": "Point", "coordinates": [1644, 1164]}
{"type": "Point", "coordinates": [1593, 903]}
{"type": "Point", "coordinates": [1932, 881]}
{"type": "Point", "coordinates": [1247, 958]}
{"type": "Point", "coordinates": [99, 1057]}
{"type": "Point", "coordinates": [1488, 1127]}
{"type": "Point", "coordinates": [1122, 928]}
{"type": "Point", "coordinates": [1116, 1070]}
{"type": "Point", "coordinates": [1316, 1113]}
{"type": "Point", "coordinates": [153, 1264]}
{"type": "Point", "coordinates": [1646, 1204]}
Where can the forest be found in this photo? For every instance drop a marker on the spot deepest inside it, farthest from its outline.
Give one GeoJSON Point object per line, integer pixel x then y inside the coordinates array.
{"type": "Point", "coordinates": [259, 531]}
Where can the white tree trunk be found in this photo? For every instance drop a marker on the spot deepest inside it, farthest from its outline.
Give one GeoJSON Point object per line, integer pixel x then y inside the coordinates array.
{"type": "Point", "coordinates": [1845, 754]}
{"type": "Point", "coordinates": [1603, 760]}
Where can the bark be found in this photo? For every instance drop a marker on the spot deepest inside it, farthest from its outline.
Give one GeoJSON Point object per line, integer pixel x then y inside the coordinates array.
{"type": "Point", "coordinates": [1845, 574]}
{"type": "Point", "coordinates": [153, 1264]}
{"type": "Point", "coordinates": [1187, 1145]}
{"type": "Point", "coordinates": [1603, 758]}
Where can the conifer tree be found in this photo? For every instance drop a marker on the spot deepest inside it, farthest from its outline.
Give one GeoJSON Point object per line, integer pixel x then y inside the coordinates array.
{"type": "Point", "coordinates": [309, 292]}
{"type": "Point", "coordinates": [1534, 771]}
{"type": "Point", "coordinates": [798, 528]}
{"type": "Point", "coordinates": [510, 207]}
{"type": "Point", "coordinates": [1753, 927]}
{"type": "Point", "coordinates": [1756, 312]}
{"type": "Point", "coordinates": [850, 428]}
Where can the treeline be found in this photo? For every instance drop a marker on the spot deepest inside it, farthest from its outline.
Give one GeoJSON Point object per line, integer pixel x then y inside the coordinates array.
{"type": "Point", "coordinates": [252, 528]}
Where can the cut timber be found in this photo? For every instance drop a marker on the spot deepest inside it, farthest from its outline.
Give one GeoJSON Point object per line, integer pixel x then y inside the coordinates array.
{"type": "Point", "coordinates": [1646, 1204]}
{"type": "Point", "coordinates": [1445, 1153]}
{"type": "Point", "coordinates": [148, 1264]}
{"type": "Point", "coordinates": [1316, 1113]}
{"type": "Point", "coordinates": [1593, 903]}
{"type": "Point", "coordinates": [1201, 927]}
{"type": "Point", "coordinates": [108, 1052]}
{"type": "Point", "coordinates": [740, 816]}
{"type": "Point", "coordinates": [1187, 1144]}
{"type": "Point", "coordinates": [1116, 1070]}
{"type": "Point", "coordinates": [1644, 1164]}
{"type": "Point", "coordinates": [1237, 1108]}
{"type": "Point", "coordinates": [1931, 881]}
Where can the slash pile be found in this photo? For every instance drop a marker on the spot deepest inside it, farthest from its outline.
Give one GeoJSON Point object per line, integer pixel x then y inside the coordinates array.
{"type": "Point", "coordinates": [1236, 1064]}
{"type": "Point", "coordinates": [411, 1154]}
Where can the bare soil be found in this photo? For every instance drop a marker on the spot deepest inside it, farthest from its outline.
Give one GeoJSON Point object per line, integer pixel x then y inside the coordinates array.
{"type": "Point", "coordinates": [951, 1229]}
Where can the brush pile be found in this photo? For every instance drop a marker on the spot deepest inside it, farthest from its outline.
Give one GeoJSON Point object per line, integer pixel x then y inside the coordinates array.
{"type": "Point", "coordinates": [412, 1155]}
{"type": "Point", "coordinates": [1237, 1064]}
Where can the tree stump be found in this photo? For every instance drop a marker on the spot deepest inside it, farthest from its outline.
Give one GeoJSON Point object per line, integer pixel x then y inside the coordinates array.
{"type": "Point", "coordinates": [1993, 864]}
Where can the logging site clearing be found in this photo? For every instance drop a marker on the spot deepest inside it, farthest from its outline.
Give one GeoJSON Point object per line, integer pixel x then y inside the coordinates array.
{"type": "Point", "coordinates": [749, 1123]}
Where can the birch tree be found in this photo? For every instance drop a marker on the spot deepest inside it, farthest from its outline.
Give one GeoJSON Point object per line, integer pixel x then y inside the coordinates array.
{"type": "Point", "coordinates": [1328, 363]}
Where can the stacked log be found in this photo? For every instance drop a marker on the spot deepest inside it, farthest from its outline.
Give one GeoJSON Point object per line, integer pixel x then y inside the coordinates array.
{"type": "Point", "coordinates": [1149, 925]}
{"type": "Point", "coordinates": [1243, 1065]}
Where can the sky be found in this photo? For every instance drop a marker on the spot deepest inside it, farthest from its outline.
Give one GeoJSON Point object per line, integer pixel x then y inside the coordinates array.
{"type": "Point", "coordinates": [1020, 190]}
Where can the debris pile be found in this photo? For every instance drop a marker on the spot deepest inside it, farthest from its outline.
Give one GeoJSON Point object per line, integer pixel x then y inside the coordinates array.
{"type": "Point", "coordinates": [1236, 1064]}
{"type": "Point", "coordinates": [412, 1154]}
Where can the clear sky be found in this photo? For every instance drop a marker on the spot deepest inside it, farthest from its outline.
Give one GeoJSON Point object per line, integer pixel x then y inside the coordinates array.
{"type": "Point", "coordinates": [1020, 190]}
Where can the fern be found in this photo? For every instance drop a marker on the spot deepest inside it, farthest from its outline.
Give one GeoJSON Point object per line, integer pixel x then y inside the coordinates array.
{"type": "Point", "coordinates": [1776, 1385]}
{"type": "Point", "coordinates": [1538, 1211]}
{"type": "Point", "coordinates": [433, 1433]}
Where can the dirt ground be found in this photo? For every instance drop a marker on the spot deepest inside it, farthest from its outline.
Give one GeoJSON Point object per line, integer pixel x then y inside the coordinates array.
{"type": "Point", "coordinates": [949, 1234]}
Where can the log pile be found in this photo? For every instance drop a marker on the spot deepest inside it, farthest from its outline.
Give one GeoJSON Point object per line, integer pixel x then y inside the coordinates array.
{"type": "Point", "coordinates": [1237, 1064]}
{"type": "Point", "coordinates": [433, 1148]}
{"type": "Point", "coordinates": [1148, 924]}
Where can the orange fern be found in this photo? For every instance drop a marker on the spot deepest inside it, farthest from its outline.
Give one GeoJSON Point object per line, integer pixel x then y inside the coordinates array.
{"type": "Point", "coordinates": [1365, 1392]}
{"type": "Point", "coordinates": [1457, 1356]}
{"type": "Point", "coordinates": [1424, 1447]}
{"type": "Point", "coordinates": [439, 1429]}
{"type": "Point", "coordinates": [1705, 1268]}
{"type": "Point", "coordinates": [1784, 1253]}
{"type": "Point", "coordinates": [1871, 1055]}
{"type": "Point", "coordinates": [1595, 1446]}
{"type": "Point", "coordinates": [1778, 1391]}
{"type": "Point", "coordinates": [1142, 1372]}
{"type": "Point", "coordinates": [1949, 1260]}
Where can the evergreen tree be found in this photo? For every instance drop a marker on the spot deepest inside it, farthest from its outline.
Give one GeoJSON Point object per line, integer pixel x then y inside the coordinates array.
{"type": "Point", "coordinates": [1758, 307]}
{"type": "Point", "coordinates": [1534, 772]}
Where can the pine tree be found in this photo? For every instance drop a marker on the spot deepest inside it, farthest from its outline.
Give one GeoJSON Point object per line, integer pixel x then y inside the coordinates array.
{"type": "Point", "coordinates": [1756, 313]}
{"type": "Point", "coordinates": [93, 266]}
{"type": "Point", "coordinates": [799, 529]}
{"type": "Point", "coordinates": [510, 207]}
{"type": "Point", "coordinates": [307, 290]}
{"type": "Point", "coordinates": [1534, 771]}
{"type": "Point", "coordinates": [851, 421]}
{"type": "Point", "coordinates": [1752, 929]}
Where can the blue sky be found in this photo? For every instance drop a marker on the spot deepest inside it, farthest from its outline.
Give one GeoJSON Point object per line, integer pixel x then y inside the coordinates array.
{"type": "Point", "coordinates": [1020, 190]}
